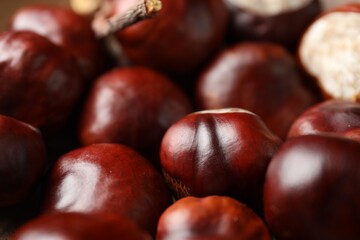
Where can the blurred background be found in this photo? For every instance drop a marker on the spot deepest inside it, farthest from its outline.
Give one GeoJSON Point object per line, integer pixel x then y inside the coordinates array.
{"type": "Point", "coordinates": [10, 6]}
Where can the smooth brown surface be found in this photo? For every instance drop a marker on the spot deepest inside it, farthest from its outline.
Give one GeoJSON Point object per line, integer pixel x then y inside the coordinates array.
{"type": "Point", "coordinates": [66, 29]}
{"type": "Point", "coordinates": [210, 218]}
{"type": "Point", "coordinates": [218, 154]}
{"type": "Point", "coordinates": [340, 117]}
{"type": "Point", "coordinates": [39, 82]}
{"type": "Point", "coordinates": [107, 178]}
{"type": "Point", "coordinates": [260, 77]}
{"type": "Point", "coordinates": [78, 226]}
{"type": "Point", "coordinates": [22, 160]}
{"type": "Point", "coordinates": [132, 106]}
{"type": "Point", "coordinates": [284, 28]}
{"type": "Point", "coordinates": [180, 39]}
{"type": "Point", "coordinates": [312, 189]}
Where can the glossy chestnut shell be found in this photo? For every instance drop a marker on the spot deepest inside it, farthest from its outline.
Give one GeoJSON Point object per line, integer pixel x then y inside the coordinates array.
{"type": "Point", "coordinates": [179, 39]}
{"type": "Point", "coordinates": [260, 77]}
{"type": "Point", "coordinates": [39, 82]}
{"type": "Point", "coordinates": [213, 217]}
{"type": "Point", "coordinates": [312, 189]}
{"type": "Point", "coordinates": [79, 226]}
{"type": "Point", "coordinates": [132, 106]}
{"type": "Point", "coordinates": [285, 28]}
{"type": "Point", "coordinates": [339, 117]}
{"type": "Point", "coordinates": [65, 28]}
{"type": "Point", "coordinates": [107, 178]}
{"type": "Point", "coordinates": [219, 152]}
{"type": "Point", "coordinates": [22, 160]}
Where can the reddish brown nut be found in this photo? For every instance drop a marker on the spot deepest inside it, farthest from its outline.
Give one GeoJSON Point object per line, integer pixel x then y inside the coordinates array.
{"type": "Point", "coordinates": [312, 189]}
{"type": "Point", "coordinates": [219, 152]}
{"type": "Point", "coordinates": [179, 39]}
{"type": "Point", "coordinates": [22, 160]}
{"type": "Point", "coordinates": [39, 82]}
{"type": "Point", "coordinates": [66, 29]}
{"type": "Point", "coordinates": [328, 52]}
{"type": "Point", "coordinates": [260, 77]}
{"type": "Point", "coordinates": [132, 106]}
{"type": "Point", "coordinates": [339, 117]}
{"type": "Point", "coordinates": [107, 178]}
{"type": "Point", "coordinates": [281, 21]}
{"type": "Point", "coordinates": [212, 217]}
{"type": "Point", "coordinates": [79, 226]}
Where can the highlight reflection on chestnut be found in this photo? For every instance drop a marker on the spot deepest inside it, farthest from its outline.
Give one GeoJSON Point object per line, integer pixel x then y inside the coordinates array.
{"type": "Point", "coordinates": [218, 152]}
{"type": "Point", "coordinates": [213, 217]}
{"type": "Point", "coordinates": [338, 117]}
{"type": "Point", "coordinates": [66, 29]}
{"type": "Point", "coordinates": [40, 83]}
{"type": "Point", "coordinates": [260, 77]}
{"type": "Point", "coordinates": [107, 178]}
{"type": "Point", "coordinates": [312, 189]}
{"type": "Point", "coordinates": [132, 106]}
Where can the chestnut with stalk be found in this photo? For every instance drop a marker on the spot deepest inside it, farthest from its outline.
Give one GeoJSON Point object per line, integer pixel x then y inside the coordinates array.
{"type": "Point", "coordinates": [164, 42]}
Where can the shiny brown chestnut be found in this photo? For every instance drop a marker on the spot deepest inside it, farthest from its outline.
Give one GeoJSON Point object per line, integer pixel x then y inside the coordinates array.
{"type": "Point", "coordinates": [22, 160]}
{"type": "Point", "coordinates": [66, 29]}
{"type": "Point", "coordinates": [280, 21]}
{"type": "Point", "coordinates": [132, 106]}
{"type": "Point", "coordinates": [218, 152]}
{"type": "Point", "coordinates": [213, 217]}
{"type": "Point", "coordinates": [260, 77]}
{"type": "Point", "coordinates": [39, 83]}
{"type": "Point", "coordinates": [80, 226]}
{"type": "Point", "coordinates": [179, 39]}
{"type": "Point", "coordinates": [340, 117]}
{"type": "Point", "coordinates": [312, 189]}
{"type": "Point", "coordinates": [107, 178]}
{"type": "Point", "coordinates": [328, 52]}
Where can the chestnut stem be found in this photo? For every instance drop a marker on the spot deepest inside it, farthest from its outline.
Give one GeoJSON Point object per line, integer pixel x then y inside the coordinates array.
{"type": "Point", "coordinates": [104, 25]}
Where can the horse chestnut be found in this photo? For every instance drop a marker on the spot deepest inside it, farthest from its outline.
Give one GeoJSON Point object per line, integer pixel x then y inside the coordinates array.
{"type": "Point", "coordinates": [260, 77]}
{"type": "Point", "coordinates": [332, 116]}
{"type": "Point", "coordinates": [66, 29]}
{"type": "Point", "coordinates": [280, 21]}
{"type": "Point", "coordinates": [312, 189]}
{"type": "Point", "coordinates": [78, 226]}
{"type": "Point", "coordinates": [107, 178]}
{"type": "Point", "coordinates": [132, 106]}
{"type": "Point", "coordinates": [328, 52]}
{"type": "Point", "coordinates": [39, 82]}
{"type": "Point", "coordinates": [212, 217]}
{"type": "Point", "coordinates": [22, 160]}
{"type": "Point", "coordinates": [218, 152]}
{"type": "Point", "coordinates": [181, 27]}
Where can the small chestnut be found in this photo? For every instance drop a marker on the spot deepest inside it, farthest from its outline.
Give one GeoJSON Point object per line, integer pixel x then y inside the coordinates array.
{"type": "Point", "coordinates": [22, 160]}
{"type": "Point", "coordinates": [312, 189]}
{"type": "Point", "coordinates": [107, 178]}
{"type": "Point", "coordinates": [341, 117]}
{"type": "Point", "coordinates": [260, 77]}
{"type": "Point", "coordinates": [132, 106]}
{"type": "Point", "coordinates": [328, 52]}
{"type": "Point", "coordinates": [80, 226]}
{"type": "Point", "coordinates": [65, 28]}
{"type": "Point", "coordinates": [218, 152]}
{"type": "Point", "coordinates": [39, 83]}
{"type": "Point", "coordinates": [213, 217]}
{"type": "Point", "coordinates": [280, 21]}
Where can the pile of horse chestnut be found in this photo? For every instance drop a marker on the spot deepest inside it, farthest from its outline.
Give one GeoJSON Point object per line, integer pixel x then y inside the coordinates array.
{"type": "Point", "coordinates": [181, 120]}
